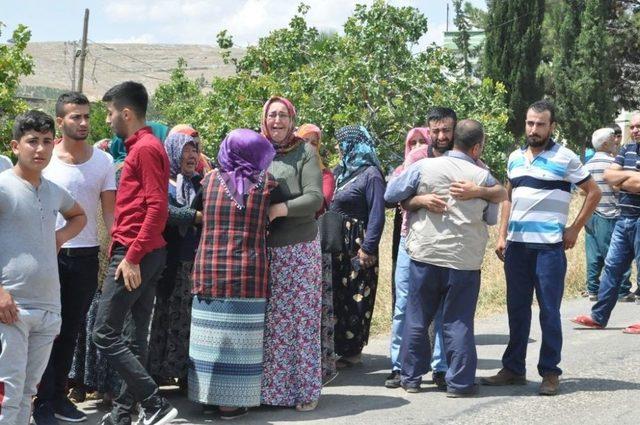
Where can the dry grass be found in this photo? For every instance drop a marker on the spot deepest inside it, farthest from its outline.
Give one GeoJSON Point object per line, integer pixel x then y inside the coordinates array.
{"type": "Point", "coordinates": [492, 290]}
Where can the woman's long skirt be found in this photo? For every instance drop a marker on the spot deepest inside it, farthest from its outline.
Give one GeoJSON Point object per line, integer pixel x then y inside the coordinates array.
{"type": "Point", "coordinates": [89, 366]}
{"type": "Point", "coordinates": [327, 322]}
{"type": "Point", "coordinates": [292, 364]}
{"type": "Point", "coordinates": [354, 294]}
{"type": "Point", "coordinates": [225, 351]}
{"type": "Point", "coordinates": [169, 337]}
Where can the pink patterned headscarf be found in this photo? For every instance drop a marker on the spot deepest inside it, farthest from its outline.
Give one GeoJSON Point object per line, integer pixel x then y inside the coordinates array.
{"type": "Point", "coordinates": [291, 141]}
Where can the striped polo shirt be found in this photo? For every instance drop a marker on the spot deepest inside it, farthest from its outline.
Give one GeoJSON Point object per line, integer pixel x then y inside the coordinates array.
{"type": "Point", "coordinates": [608, 205]}
{"type": "Point", "coordinates": [541, 192]}
{"type": "Point", "coordinates": [627, 158]}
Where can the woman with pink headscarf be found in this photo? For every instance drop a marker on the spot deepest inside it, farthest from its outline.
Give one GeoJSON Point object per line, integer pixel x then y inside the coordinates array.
{"type": "Point", "coordinates": [292, 370]}
{"type": "Point", "coordinates": [417, 147]}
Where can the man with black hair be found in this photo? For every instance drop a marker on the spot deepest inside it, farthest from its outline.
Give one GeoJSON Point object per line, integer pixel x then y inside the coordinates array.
{"type": "Point", "coordinates": [30, 289]}
{"type": "Point", "coordinates": [446, 249]}
{"type": "Point", "coordinates": [88, 174]}
{"type": "Point", "coordinates": [137, 257]}
{"type": "Point", "coordinates": [532, 238]}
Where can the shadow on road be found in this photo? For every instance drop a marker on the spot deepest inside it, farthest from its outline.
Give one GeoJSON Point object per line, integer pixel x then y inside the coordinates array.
{"type": "Point", "coordinates": [486, 364]}
{"type": "Point", "coordinates": [495, 339]}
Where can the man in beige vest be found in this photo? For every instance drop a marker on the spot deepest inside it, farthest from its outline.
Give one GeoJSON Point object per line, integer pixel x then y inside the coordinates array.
{"type": "Point", "coordinates": [446, 250]}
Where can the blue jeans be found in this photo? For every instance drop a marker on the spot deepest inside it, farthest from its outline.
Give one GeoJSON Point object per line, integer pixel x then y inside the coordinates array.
{"type": "Point", "coordinates": [456, 292]}
{"type": "Point", "coordinates": [542, 268]}
{"type": "Point", "coordinates": [438, 360]}
{"type": "Point", "coordinates": [598, 231]}
{"type": "Point", "coordinates": [624, 247]}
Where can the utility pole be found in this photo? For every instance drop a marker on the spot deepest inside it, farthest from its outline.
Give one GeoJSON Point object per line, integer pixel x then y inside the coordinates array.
{"type": "Point", "coordinates": [83, 50]}
{"type": "Point", "coordinates": [447, 27]}
{"type": "Point", "coordinates": [74, 55]}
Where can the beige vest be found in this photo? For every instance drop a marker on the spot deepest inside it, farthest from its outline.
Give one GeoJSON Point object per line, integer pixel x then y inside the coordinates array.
{"type": "Point", "coordinates": [457, 238]}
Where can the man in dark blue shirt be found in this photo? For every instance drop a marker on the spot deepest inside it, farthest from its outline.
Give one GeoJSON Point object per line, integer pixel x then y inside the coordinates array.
{"type": "Point", "coordinates": [625, 240]}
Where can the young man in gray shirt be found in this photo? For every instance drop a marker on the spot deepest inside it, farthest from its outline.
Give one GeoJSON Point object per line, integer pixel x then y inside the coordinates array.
{"type": "Point", "coordinates": [29, 286]}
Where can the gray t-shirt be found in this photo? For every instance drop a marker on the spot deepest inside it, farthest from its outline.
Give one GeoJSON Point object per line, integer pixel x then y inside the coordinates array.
{"type": "Point", "coordinates": [28, 260]}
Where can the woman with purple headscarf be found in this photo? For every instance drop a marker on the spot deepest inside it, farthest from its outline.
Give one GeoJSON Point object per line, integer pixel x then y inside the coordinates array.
{"type": "Point", "coordinates": [230, 277]}
{"type": "Point", "coordinates": [169, 337]}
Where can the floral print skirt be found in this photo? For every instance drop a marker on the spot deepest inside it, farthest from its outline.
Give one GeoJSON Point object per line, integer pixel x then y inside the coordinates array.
{"type": "Point", "coordinates": [292, 367]}
{"type": "Point", "coordinates": [327, 322]}
{"type": "Point", "coordinates": [354, 294]}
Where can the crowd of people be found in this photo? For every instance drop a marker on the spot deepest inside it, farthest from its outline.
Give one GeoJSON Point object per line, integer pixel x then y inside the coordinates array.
{"type": "Point", "coordinates": [251, 279]}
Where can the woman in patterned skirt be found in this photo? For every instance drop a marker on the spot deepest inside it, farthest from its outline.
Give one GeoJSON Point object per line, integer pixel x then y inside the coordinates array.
{"type": "Point", "coordinates": [313, 136]}
{"type": "Point", "coordinates": [169, 337]}
{"type": "Point", "coordinates": [230, 277]}
{"type": "Point", "coordinates": [359, 197]}
{"type": "Point", "coordinates": [292, 368]}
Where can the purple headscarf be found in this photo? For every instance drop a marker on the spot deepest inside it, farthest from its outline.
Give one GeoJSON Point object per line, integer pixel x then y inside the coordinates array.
{"type": "Point", "coordinates": [243, 156]}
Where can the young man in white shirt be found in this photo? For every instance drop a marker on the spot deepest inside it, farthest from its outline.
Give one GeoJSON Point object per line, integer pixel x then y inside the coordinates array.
{"type": "Point", "coordinates": [88, 174]}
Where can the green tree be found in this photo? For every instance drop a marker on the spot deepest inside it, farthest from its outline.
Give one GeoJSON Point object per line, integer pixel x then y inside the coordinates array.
{"type": "Point", "coordinates": [583, 71]}
{"type": "Point", "coordinates": [624, 29]}
{"type": "Point", "coordinates": [512, 53]}
{"type": "Point", "coordinates": [14, 63]}
{"type": "Point", "coordinates": [371, 74]}
{"type": "Point", "coordinates": [461, 21]}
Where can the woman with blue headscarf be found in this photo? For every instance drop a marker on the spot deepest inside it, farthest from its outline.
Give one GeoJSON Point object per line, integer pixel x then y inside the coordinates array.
{"type": "Point", "coordinates": [359, 197]}
{"type": "Point", "coordinates": [169, 339]}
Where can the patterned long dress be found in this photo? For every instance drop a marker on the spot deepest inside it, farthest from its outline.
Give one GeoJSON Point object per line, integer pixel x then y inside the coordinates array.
{"type": "Point", "coordinates": [354, 293]}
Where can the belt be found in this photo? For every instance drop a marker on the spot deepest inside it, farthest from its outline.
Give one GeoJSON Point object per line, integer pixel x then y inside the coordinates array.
{"type": "Point", "coordinates": [80, 252]}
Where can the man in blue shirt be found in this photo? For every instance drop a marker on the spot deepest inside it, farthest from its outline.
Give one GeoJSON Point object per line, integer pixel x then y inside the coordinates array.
{"type": "Point", "coordinates": [625, 240]}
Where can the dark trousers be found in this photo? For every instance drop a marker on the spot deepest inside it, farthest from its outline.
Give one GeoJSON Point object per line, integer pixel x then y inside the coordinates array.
{"type": "Point", "coordinates": [457, 290]}
{"type": "Point", "coordinates": [78, 283]}
{"type": "Point", "coordinates": [115, 304]}
{"type": "Point", "coordinates": [542, 268]}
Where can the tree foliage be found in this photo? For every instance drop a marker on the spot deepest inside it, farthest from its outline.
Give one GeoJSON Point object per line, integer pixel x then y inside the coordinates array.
{"type": "Point", "coordinates": [14, 63]}
{"type": "Point", "coordinates": [582, 69]}
{"type": "Point", "coordinates": [624, 29]}
{"type": "Point", "coordinates": [462, 38]}
{"type": "Point", "coordinates": [512, 53]}
{"type": "Point", "coordinates": [371, 74]}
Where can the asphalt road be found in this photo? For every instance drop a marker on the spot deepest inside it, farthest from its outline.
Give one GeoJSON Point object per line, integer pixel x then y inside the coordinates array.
{"type": "Point", "coordinates": [600, 384]}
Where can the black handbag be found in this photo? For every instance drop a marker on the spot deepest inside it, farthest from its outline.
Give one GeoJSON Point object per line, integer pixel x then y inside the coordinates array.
{"type": "Point", "coordinates": [330, 227]}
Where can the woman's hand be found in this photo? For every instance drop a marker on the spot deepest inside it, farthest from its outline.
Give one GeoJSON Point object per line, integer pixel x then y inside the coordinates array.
{"type": "Point", "coordinates": [278, 210]}
{"type": "Point", "coordinates": [367, 260]}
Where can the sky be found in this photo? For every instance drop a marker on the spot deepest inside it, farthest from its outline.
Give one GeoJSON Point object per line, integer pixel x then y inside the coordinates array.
{"type": "Point", "coordinates": [191, 21]}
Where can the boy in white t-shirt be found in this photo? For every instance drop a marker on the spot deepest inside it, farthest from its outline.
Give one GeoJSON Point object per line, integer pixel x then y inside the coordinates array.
{"type": "Point", "coordinates": [88, 174]}
{"type": "Point", "coordinates": [29, 287]}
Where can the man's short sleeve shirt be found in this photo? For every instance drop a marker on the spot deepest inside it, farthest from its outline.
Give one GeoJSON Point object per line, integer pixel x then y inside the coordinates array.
{"type": "Point", "coordinates": [627, 158]}
{"type": "Point", "coordinates": [541, 193]}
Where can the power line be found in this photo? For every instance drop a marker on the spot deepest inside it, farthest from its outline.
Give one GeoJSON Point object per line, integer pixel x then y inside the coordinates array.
{"type": "Point", "coordinates": [104, 46]}
{"type": "Point", "coordinates": [100, 58]}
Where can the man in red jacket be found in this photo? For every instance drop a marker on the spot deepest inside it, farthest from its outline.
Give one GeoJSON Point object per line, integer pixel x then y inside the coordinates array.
{"type": "Point", "coordinates": [137, 257]}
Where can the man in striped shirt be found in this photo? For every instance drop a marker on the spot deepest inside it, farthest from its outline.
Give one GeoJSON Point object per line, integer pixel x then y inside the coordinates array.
{"type": "Point", "coordinates": [599, 228]}
{"type": "Point", "coordinates": [532, 239]}
{"type": "Point", "coordinates": [624, 173]}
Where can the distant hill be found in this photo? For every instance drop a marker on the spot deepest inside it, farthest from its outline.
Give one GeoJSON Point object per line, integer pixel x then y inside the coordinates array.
{"type": "Point", "coordinates": [109, 64]}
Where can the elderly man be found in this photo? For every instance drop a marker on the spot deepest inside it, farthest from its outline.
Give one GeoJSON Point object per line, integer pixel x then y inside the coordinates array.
{"type": "Point", "coordinates": [599, 228]}
{"type": "Point", "coordinates": [534, 222]}
{"type": "Point", "coordinates": [446, 249]}
{"type": "Point", "coordinates": [623, 173]}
